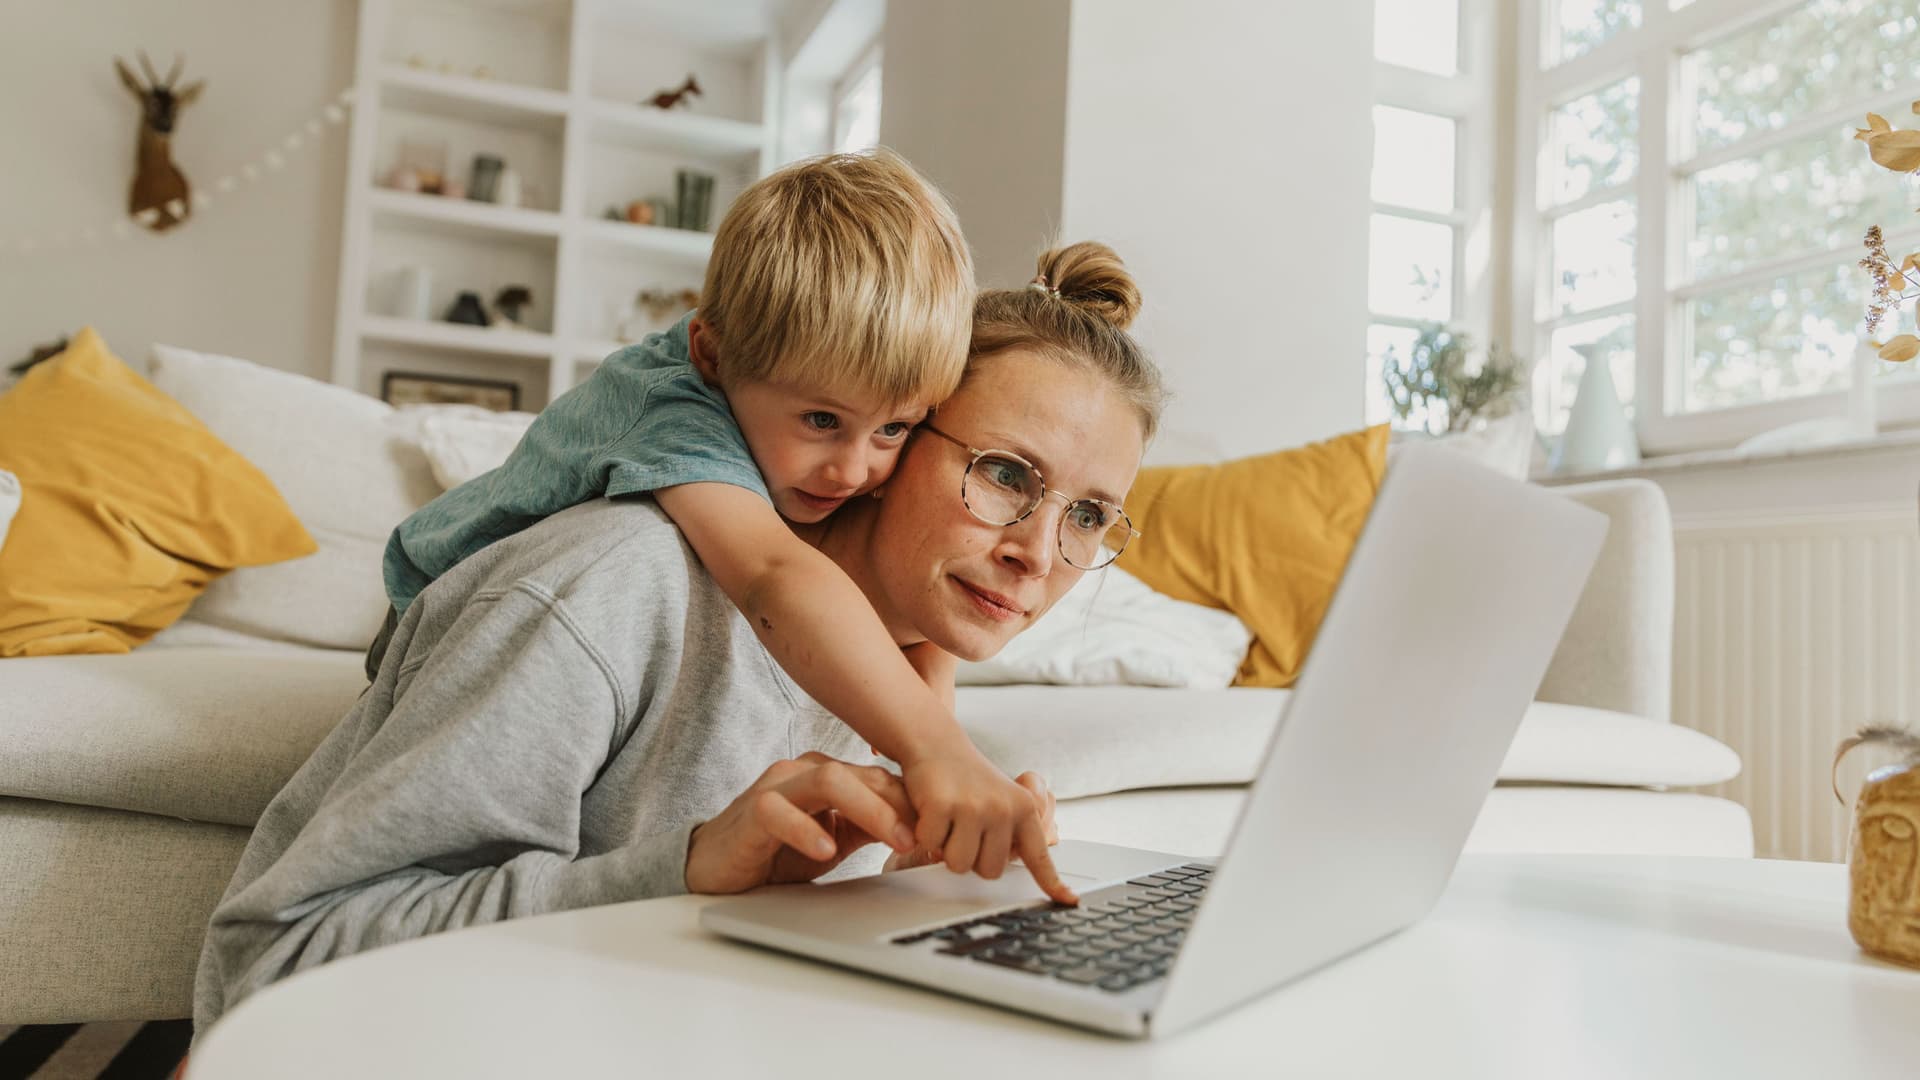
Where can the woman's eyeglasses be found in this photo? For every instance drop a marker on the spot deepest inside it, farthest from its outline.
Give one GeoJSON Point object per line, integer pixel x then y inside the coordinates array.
{"type": "Point", "coordinates": [1002, 488]}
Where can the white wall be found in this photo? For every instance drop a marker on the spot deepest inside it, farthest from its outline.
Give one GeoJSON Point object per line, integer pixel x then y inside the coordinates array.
{"type": "Point", "coordinates": [252, 276]}
{"type": "Point", "coordinates": [1222, 147]}
{"type": "Point", "coordinates": [1225, 153]}
{"type": "Point", "coordinates": [975, 96]}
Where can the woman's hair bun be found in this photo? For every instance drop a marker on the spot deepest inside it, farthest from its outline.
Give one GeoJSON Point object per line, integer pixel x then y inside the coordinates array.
{"type": "Point", "coordinates": [1091, 275]}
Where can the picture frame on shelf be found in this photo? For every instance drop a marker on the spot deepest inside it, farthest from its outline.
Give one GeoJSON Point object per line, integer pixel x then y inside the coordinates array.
{"type": "Point", "coordinates": [424, 388]}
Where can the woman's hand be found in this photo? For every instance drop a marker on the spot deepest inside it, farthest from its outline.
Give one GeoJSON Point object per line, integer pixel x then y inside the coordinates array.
{"type": "Point", "coordinates": [801, 819]}
{"type": "Point", "coordinates": [1042, 798]}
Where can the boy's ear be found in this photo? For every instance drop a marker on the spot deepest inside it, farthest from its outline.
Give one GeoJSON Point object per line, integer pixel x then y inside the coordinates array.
{"type": "Point", "coordinates": [703, 348]}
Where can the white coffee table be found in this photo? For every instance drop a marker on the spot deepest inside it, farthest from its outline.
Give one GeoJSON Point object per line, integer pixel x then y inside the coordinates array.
{"type": "Point", "coordinates": [1532, 966]}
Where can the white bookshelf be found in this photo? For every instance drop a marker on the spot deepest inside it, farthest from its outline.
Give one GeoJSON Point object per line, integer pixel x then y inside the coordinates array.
{"type": "Point", "coordinates": [560, 102]}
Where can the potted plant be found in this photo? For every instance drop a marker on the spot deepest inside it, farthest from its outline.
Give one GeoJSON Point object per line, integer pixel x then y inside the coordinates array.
{"type": "Point", "coordinates": [1443, 377]}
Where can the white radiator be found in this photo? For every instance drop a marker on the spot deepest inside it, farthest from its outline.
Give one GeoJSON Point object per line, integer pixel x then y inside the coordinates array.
{"type": "Point", "coordinates": [1790, 634]}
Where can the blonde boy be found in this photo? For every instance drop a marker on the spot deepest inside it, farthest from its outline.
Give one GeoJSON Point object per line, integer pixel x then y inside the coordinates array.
{"type": "Point", "coordinates": [836, 311]}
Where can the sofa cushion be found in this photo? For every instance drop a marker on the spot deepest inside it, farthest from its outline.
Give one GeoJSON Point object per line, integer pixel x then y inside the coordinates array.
{"type": "Point", "coordinates": [350, 466]}
{"type": "Point", "coordinates": [133, 507]}
{"type": "Point", "coordinates": [1264, 537]}
{"type": "Point", "coordinates": [197, 732]}
{"type": "Point", "coordinates": [1111, 629]}
{"type": "Point", "coordinates": [1093, 740]}
{"type": "Point", "coordinates": [464, 441]}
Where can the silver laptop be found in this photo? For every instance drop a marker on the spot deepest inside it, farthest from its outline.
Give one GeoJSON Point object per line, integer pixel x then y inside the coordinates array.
{"type": "Point", "coordinates": [1438, 636]}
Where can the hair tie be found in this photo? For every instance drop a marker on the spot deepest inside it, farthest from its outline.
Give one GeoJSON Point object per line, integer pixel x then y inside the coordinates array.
{"type": "Point", "coordinates": [1040, 282]}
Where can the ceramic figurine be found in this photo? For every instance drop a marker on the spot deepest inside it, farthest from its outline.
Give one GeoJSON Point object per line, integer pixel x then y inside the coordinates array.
{"type": "Point", "coordinates": [1883, 911]}
{"type": "Point", "coordinates": [667, 99]}
{"type": "Point", "coordinates": [511, 302]}
{"type": "Point", "coordinates": [468, 309]}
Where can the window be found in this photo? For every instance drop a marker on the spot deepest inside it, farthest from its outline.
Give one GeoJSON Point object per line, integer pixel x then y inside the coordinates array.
{"type": "Point", "coordinates": [1432, 149]}
{"type": "Point", "coordinates": [856, 105]}
{"type": "Point", "coordinates": [1699, 204]}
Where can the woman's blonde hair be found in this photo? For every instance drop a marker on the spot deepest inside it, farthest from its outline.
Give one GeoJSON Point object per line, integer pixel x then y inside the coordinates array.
{"type": "Point", "coordinates": [1076, 311]}
{"type": "Point", "coordinates": [846, 272]}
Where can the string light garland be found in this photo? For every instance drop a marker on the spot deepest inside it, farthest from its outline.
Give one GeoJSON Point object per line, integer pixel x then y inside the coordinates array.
{"type": "Point", "coordinates": [272, 159]}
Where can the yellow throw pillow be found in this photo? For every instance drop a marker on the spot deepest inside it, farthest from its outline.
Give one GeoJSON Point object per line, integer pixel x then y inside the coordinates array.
{"type": "Point", "coordinates": [129, 507]}
{"type": "Point", "coordinates": [1263, 537]}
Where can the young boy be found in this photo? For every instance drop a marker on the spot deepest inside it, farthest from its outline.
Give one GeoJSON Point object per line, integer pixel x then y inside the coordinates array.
{"type": "Point", "coordinates": [836, 311]}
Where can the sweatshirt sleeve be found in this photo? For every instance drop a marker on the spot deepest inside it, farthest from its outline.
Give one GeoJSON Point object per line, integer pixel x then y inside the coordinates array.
{"type": "Point", "coordinates": [460, 806]}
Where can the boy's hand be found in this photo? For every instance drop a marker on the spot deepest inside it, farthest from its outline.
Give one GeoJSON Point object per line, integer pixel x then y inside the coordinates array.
{"type": "Point", "coordinates": [973, 815]}
{"type": "Point", "coordinates": [1042, 799]}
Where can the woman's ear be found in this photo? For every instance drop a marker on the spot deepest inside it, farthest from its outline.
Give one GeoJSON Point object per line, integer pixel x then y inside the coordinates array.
{"type": "Point", "coordinates": [703, 348]}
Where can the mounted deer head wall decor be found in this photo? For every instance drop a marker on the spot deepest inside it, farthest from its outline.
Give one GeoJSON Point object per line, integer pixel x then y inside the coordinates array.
{"type": "Point", "coordinates": [159, 198]}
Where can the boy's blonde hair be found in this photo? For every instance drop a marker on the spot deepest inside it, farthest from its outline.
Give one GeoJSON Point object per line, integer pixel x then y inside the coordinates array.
{"type": "Point", "coordinates": [847, 272]}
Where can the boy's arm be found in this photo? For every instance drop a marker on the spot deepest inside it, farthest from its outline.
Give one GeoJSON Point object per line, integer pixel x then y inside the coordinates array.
{"type": "Point", "coordinates": [935, 666]}
{"type": "Point", "coordinates": [813, 618]}
{"type": "Point", "coordinates": [823, 631]}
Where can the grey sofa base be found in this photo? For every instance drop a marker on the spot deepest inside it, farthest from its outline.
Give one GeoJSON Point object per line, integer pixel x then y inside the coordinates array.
{"type": "Point", "coordinates": [102, 911]}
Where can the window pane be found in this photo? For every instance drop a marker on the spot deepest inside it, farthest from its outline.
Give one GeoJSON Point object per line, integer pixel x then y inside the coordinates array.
{"type": "Point", "coordinates": [1782, 339]}
{"type": "Point", "coordinates": [1399, 339]}
{"type": "Point", "coordinates": [1557, 377]}
{"type": "Point", "coordinates": [1816, 57]}
{"type": "Point", "coordinates": [1593, 257]}
{"type": "Point", "coordinates": [1582, 24]}
{"type": "Point", "coordinates": [856, 116]}
{"type": "Point", "coordinates": [1413, 159]}
{"type": "Point", "coordinates": [1420, 34]}
{"type": "Point", "coordinates": [1593, 140]}
{"type": "Point", "coordinates": [1800, 197]}
{"type": "Point", "coordinates": [1410, 268]}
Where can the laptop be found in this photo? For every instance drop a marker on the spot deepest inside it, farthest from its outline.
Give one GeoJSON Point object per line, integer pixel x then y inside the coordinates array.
{"type": "Point", "coordinates": [1437, 638]}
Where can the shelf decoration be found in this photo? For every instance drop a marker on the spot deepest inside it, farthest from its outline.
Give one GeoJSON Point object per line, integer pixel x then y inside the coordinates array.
{"type": "Point", "coordinates": [509, 304]}
{"type": "Point", "coordinates": [655, 308]}
{"type": "Point", "coordinates": [93, 234]}
{"type": "Point", "coordinates": [668, 99]}
{"type": "Point", "coordinates": [691, 207]}
{"type": "Point", "coordinates": [419, 62]}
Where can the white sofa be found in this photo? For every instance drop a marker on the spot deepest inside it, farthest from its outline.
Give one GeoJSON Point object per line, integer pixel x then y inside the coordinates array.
{"type": "Point", "coordinates": [129, 783]}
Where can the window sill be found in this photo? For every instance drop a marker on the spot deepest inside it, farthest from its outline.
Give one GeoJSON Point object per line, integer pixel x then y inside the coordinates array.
{"type": "Point", "coordinates": [1887, 442]}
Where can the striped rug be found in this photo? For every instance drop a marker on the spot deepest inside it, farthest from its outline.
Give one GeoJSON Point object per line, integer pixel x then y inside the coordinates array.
{"type": "Point", "coordinates": [124, 1050]}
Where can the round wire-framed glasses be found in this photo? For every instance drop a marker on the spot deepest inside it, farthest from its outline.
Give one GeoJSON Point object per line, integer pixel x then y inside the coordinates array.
{"type": "Point", "coordinates": [1002, 488]}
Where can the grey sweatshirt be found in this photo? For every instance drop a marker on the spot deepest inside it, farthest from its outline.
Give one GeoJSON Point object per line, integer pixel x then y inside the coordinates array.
{"type": "Point", "coordinates": [552, 719]}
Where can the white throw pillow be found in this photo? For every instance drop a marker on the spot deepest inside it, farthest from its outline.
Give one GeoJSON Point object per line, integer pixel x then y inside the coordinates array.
{"type": "Point", "coordinates": [9, 502]}
{"type": "Point", "coordinates": [347, 464]}
{"type": "Point", "coordinates": [1111, 628]}
{"type": "Point", "coordinates": [463, 441]}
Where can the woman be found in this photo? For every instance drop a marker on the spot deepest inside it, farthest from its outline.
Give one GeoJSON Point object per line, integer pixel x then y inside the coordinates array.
{"type": "Point", "coordinates": [543, 737]}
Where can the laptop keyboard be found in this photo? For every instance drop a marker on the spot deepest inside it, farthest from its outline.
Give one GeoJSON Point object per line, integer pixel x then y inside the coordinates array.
{"type": "Point", "coordinates": [1118, 938]}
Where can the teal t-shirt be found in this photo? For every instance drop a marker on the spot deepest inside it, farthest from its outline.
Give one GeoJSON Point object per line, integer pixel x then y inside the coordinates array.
{"type": "Point", "coordinates": [644, 421]}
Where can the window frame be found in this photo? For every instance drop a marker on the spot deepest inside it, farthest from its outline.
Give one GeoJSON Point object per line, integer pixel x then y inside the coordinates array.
{"type": "Point", "coordinates": [1467, 98]}
{"type": "Point", "coordinates": [1656, 51]}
